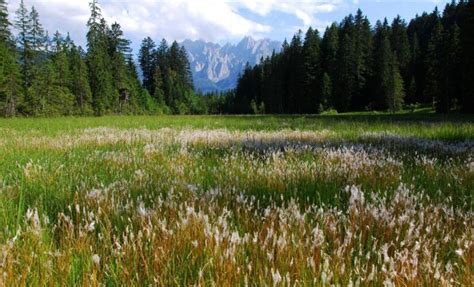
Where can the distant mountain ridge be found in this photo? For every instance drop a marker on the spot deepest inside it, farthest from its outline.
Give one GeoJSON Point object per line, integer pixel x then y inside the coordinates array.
{"type": "Point", "coordinates": [217, 67]}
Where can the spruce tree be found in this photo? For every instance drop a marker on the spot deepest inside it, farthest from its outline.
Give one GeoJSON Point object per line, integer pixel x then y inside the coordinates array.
{"type": "Point", "coordinates": [394, 85]}
{"type": "Point", "coordinates": [311, 72]}
{"type": "Point", "coordinates": [23, 25]}
{"type": "Point", "coordinates": [345, 80]}
{"type": "Point", "coordinates": [147, 59]}
{"type": "Point", "coordinates": [383, 67]}
{"type": "Point", "coordinates": [294, 83]}
{"type": "Point", "coordinates": [159, 94]}
{"type": "Point", "coordinates": [99, 62]}
{"type": "Point", "coordinates": [451, 74]}
{"type": "Point", "coordinates": [80, 82]}
{"type": "Point", "coordinates": [118, 48]}
{"type": "Point", "coordinates": [329, 48]}
{"type": "Point", "coordinates": [61, 61]}
{"type": "Point", "coordinates": [50, 98]}
{"type": "Point", "coordinates": [10, 98]}
{"type": "Point", "coordinates": [362, 63]}
{"type": "Point", "coordinates": [5, 34]}
{"type": "Point", "coordinates": [400, 44]}
{"type": "Point", "coordinates": [435, 65]}
{"type": "Point", "coordinates": [9, 70]}
{"type": "Point", "coordinates": [37, 34]}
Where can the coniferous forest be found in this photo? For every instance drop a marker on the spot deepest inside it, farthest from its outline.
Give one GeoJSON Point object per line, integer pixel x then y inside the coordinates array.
{"type": "Point", "coordinates": [44, 75]}
{"type": "Point", "coordinates": [353, 66]}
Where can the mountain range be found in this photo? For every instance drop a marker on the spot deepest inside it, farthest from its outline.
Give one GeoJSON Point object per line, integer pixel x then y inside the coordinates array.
{"type": "Point", "coordinates": [217, 67]}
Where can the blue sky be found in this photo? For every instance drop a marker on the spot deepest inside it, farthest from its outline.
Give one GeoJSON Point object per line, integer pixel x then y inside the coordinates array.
{"type": "Point", "coordinates": [216, 20]}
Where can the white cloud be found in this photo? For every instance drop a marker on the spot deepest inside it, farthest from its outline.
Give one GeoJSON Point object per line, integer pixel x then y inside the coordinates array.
{"type": "Point", "coordinates": [304, 10]}
{"type": "Point", "coordinates": [176, 19]}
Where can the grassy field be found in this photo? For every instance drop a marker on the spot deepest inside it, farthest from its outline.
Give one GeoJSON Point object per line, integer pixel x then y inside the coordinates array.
{"type": "Point", "coordinates": [358, 199]}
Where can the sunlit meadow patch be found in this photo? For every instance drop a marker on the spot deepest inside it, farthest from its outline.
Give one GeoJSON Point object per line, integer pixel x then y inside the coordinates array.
{"type": "Point", "coordinates": [111, 206]}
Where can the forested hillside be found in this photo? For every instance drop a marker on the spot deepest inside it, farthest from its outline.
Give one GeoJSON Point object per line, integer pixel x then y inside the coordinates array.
{"type": "Point", "coordinates": [354, 67]}
{"type": "Point", "coordinates": [42, 75]}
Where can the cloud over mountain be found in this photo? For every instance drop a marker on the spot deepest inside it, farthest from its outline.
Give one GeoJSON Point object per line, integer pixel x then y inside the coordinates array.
{"type": "Point", "coordinates": [210, 20]}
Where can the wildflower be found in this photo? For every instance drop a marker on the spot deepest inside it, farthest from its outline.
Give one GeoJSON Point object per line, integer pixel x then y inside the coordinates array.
{"type": "Point", "coordinates": [276, 277]}
{"type": "Point", "coordinates": [91, 226]}
{"type": "Point", "coordinates": [388, 283]}
{"type": "Point", "coordinates": [96, 259]}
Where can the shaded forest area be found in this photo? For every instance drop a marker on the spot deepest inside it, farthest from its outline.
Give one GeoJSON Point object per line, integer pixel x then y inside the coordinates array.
{"type": "Point", "coordinates": [354, 67]}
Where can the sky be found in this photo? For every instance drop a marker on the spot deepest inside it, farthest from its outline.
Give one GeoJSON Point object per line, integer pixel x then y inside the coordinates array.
{"type": "Point", "coordinates": [218, 21]}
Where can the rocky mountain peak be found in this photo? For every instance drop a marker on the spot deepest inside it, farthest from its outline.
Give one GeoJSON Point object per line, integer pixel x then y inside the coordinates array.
{"type": "Point", "coordinates": [217, 67]}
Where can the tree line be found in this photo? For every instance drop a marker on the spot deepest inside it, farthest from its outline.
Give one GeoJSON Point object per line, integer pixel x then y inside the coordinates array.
{"type": "Point", "coordinates": [42, 75]}
{"type": "Point", "coordinates": [357, 67]}
{"type": "Point", "coordinates": [351, 67]}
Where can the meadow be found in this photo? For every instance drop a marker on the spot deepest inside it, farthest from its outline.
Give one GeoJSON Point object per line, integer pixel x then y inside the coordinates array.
{"type": "Point", "coordinates": [345, 200]}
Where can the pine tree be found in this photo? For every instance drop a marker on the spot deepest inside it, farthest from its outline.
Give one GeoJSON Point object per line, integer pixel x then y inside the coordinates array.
{"type": "Point", "coordinates": [61, 61]}
{"type": "Point", "coordinates": [9, 69]}
{"type": "Point", "coordinates": [294, 68]}
{"type": "Point", "coordinates": [383, 70]}
{"type": "Point", "coordinates": [434, 64]}
{"type": "Point", "coordinates": [79, 82]}
{"type": "Point", "coordinates": [10, 97]}
{"type": "Point", "coordinates": [99, 62]}
{"type": "Point", "coordinates": [395, 91]}
{"type": "Point", "coordinates": [346, 84]}
{"type": "Point", "coordinates": [185, 68]}
{"type": "Point", "coordinates": [329, 48]}
{"type": "Point", "coordinates": [119, 47]}
{"type": "Point", "coordinates": [414, 68]}
{"type": "Point", "coordinates": [159, 94]}
{"type": "Point", "coordinates": [37, 34]}
{"type": "Point", "coordinates": [147, 59]}
{"type": "Point", "coordinates": [451, 75]}
{"type": "Point", "coordinates": [362, 63]}
{"type": "Point", "coordinates": [23, 25]}
{"type": "Point", "coordinates": [50, 98]}
{"type": "Point", "coordinates": [401, 46]}
{"type": "Point", "coordinates": [311, 72]}
{"type": "Point", "coordinates": [5, 34]}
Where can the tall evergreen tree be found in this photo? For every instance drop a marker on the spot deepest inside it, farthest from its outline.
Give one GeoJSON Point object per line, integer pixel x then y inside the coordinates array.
{"type": "Point", "coordinates": [329, 48]}
{"type": "Point", "coordinates": [362, 63]}
{"type": "Point", "coordinates": [434, 64]}
{"type": "Point", "coordinates": [50, 98]}
{"type": "Point", "coordinates": [294, 83]}
{"type": "Point", "coordinates": [9, 70]}
{"type": "Point", "coordinates": [450, 73]}
{"type": "Point", "coordinates": [401, 46]}
{"type": "Point", "coordinates": [80, 82]}
{"type": "Point", "coordinates": [312, 76]}
{"type": "Point", "coordinates": [5, 34]}
{"type": "Point", "coordinates": [10, 88]}
{"type": "Point", "coordinates": [37, 33]}
{"type": "Point", "coordinates": [383, 66]}
{"type": "Point", "coordinates": [394, 86]}
{"type": "Point", "coordinates": [147, 59]}
{"type": "Point", "coordinates": [99, 62]}
{"type": "Point", "coordinates": [345, 80]}
{"type": "Point", "coordinates": [118, 48]}
{"type": "Point", "coordinates": [23, 25]}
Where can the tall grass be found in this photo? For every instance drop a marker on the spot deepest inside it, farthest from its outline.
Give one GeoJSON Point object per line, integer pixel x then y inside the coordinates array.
{"type": "Point", "coordinates": [226, 201]}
